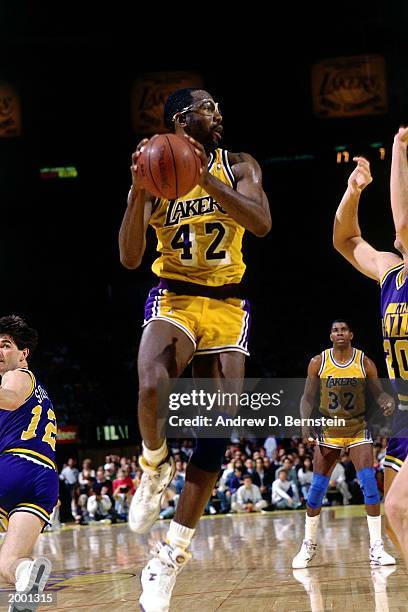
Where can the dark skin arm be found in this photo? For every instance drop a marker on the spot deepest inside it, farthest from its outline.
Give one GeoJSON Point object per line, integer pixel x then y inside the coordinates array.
{"type": "Point", "coordinates": [383, 399]}
{"type": "Point", "coordinates": [309, 393]}
{"type": "Point", "coordinates": [132, 234]}
{"type": "Point", "coordinates": [248, 204]}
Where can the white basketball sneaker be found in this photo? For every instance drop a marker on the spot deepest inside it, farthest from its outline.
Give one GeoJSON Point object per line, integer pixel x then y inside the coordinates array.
{"type": "Point", "coordinates": [159, 577]}
{"type": "Point", "coordinates": [145, 505]}
{"type": "Point", "coordinates": [32, 578]}
{"type": "Point", "coordinates": [305, 555]}
{"type": "Point", "coordinates": [378, 556]}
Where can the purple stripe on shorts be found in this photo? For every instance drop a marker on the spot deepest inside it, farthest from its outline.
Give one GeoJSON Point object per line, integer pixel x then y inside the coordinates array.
{"type": "Point", "coordinates": [243, 341]}
{"type": "Point", "coordinates": [152, 302]}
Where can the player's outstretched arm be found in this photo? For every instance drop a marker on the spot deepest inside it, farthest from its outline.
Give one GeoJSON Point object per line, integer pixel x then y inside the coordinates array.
{"type": "Point", "coordinates": [383, 399]}
{"type": "Point", "coordinates": [399, 186]}
{"type": "Point", "coordinates": [347, 238]}
{"type": "Point", "coordinates": [132, 233]}
{"type": "Point", "coordinates": [14, 390]}
{"type": "Point", "coordinates": [309, 393]}
{"type": "Point", "coordinates": [248, 204]}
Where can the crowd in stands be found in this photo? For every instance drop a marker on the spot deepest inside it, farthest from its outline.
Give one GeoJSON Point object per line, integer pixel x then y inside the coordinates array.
{"type": "Point", "coordinates": [256, 476]}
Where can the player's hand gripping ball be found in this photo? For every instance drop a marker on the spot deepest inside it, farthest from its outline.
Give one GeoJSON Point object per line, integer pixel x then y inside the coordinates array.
{"type": "Point", "coordinates": [168, 167]}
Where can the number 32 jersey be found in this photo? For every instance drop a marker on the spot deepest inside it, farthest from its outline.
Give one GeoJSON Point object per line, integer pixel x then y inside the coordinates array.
{"type": "Point", "coordinates": [197, 240]}
{"type": "Point", "coordinates": [30, 431]}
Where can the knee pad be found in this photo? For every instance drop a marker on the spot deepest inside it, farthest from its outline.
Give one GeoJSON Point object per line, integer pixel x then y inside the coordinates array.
{"type": "Point", "coordinates": [317, 490]}
{"type": "Point", "coordinates": [368, 483]}
{"type": "Point", "coordinates": [209, 453]}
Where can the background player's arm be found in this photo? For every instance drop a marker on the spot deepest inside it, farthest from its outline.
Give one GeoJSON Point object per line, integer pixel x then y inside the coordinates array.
{"type": "Point", "coordinates": [309, 393]}
{"type": "Point", "coordinates": [383, 399]}
{"type": "Point", "coordinates": [248, 204]}
{"type": "Point", "coordinates": [347, 237]}
{"type": "Point", "coordinates": [14, 390]}
{"type": "Point", "coordinates": [132, 233]}
{"type": "Point", "coordinates": [399, 186]}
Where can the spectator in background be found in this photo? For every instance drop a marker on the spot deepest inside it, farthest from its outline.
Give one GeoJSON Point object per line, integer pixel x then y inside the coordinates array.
{"type": "Point", "coordinates": [122, 497]}
{"type": "Point", "coordinates": [134, 468]}
{"type": "Point", "coordinates": [248, 497]}
{"type": "Point", "coordinates": [262, 477]}
{"type": "Point", "coordinates": [99, 505]}
{"type": "Point", "coordinates": [338, 481]}
{"type": "Point", "coordinates": [305, 475]}
{"type": "Point", "coordinates": [291, 477]}
{"type": "Point", "coordinates": [270, 446]}
{"type": "Point", "coordinates": [69, 473]}
{"type": "Point", "coordinates": [123, 480]}
{"type": "Point", "coordinates": [101, 480]}
{"type": "Point", "coordinates": [234, 481]}
{"type": "Point", "coordinates": [86, 480]}
{"type": "Point", "coordinates": [87, 465]}
{"type": "Point", "coordinates": [223, 491]}
{"type": "Point", "coordinates": [272, 464]}
{"type": "Point", "coordinates": [282, 493]}
{"type": "Point", "coordinates": [249, 467]}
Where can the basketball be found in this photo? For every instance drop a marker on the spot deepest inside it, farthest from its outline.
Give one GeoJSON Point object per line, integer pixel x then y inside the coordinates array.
{"type": "Point", "coordinates": [168, 167]}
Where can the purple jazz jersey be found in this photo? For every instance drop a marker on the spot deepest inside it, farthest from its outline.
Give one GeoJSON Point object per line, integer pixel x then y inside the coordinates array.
{"type": "Point", "coordinates": [394, 312]}
{"type": "Point", "coordinates": [27, 487]}
{"type": "Point", "coordinates": [32, 428]}
{"type": "Point", "coordinates": [28, 473]}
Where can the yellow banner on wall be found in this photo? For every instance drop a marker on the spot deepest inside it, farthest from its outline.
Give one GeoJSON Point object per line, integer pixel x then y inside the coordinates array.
{"type": "Point", "coordinates": [149, 94]}
{"type": "Point", "coordinates": [10, 111]}
{"type": "Point", "coordinates": [349, 86]}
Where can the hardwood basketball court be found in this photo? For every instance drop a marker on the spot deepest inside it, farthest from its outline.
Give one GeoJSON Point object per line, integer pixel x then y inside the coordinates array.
{"type": "Point", "coordinates": [240, 563]}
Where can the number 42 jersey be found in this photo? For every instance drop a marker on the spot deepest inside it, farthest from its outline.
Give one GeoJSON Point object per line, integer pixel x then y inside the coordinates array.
{"type": "Point", "coordinates": [198, 241]}
{"type": "Point", "coordinates": [30, 431]}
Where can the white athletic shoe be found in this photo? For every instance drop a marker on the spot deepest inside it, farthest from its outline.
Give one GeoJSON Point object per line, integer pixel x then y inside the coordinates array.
{"type": "Point", "coordinates": [305, 555]}
{"type": "Point", "coordinates": [159, 577]}
{"type": "Point", "coordinates": [31, 581]}
{"type": "Point", "coordinates": [145, 505]}
{"type": "Point", "coordinates": [378, 556]}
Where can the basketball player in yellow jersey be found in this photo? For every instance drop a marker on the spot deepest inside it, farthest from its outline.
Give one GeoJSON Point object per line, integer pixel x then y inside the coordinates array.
{"type": "Point", "coordinates": [196, 312]}
{"type": "Point", "coordinates": [341, 373]}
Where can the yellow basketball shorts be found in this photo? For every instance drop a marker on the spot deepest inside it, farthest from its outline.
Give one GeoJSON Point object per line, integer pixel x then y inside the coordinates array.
{"type": "Point", "coordinates": [213, 325]}
{"type": "Point", "coordinates": [362, 437]}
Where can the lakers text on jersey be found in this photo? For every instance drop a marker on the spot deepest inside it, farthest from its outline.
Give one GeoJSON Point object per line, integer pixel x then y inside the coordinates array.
{"type": "Point", "coordinates": [197, 240]}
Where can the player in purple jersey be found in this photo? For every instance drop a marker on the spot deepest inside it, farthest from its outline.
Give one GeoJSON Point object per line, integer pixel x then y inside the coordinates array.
{"type": "Point", "coordinates": [28, 474]}
{"type": "Point", "coordinates": [396, 505]}
{"type": "Point", "coordinates": [390, 270]}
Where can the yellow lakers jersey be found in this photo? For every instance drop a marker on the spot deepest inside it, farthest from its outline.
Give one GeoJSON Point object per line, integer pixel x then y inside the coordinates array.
{"type": "Point", "coordinates": [197, 240]}
{"type": "Point", "coordinates": [342, 390]}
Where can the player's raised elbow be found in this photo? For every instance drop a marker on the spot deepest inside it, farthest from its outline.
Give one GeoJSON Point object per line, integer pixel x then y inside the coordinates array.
{"type": "Point", "coordinates": [130, 263]}
{"type": "Point", "coordinates": [341, 244]}
{"type": "Point", "coordinates": [262, 228]}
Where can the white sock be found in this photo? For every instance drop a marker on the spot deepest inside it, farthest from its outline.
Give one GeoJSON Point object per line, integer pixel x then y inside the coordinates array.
{"type": "Point", "coordinates": [155, 457]}
{"type": "Point", "coordinates": [311, 525]}
{"type": "Point", "coordinates": [374, 528]}
{"type": "Point", "coordinates": [178, 535]}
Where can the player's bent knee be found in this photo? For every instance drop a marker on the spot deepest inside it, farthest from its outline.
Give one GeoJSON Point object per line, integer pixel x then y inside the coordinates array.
{"type": "Point", "coordinates": [368, 483]}
{"type": "Point", "coordinates": [209, 454]}
{"type": "Point", "coordinates": [317, 490]}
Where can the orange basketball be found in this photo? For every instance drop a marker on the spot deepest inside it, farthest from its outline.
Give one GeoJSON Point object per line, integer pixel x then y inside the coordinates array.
{"type": "Point", "coordinates": [168, 167]}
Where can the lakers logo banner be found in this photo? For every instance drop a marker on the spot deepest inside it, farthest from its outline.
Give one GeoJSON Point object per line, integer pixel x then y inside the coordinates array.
{"type": "Point", "coordinates": [149, 94]}
{"type": "Point", "coordinates": [10, 111]}
{"type": "Point", "coordinates": [349, 86]}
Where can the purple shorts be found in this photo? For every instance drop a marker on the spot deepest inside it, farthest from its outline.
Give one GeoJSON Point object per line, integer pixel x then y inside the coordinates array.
{"type": "Point", "coordinates": [27, 487]}
{"type": "Point", "coordinates": [397, 452]}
